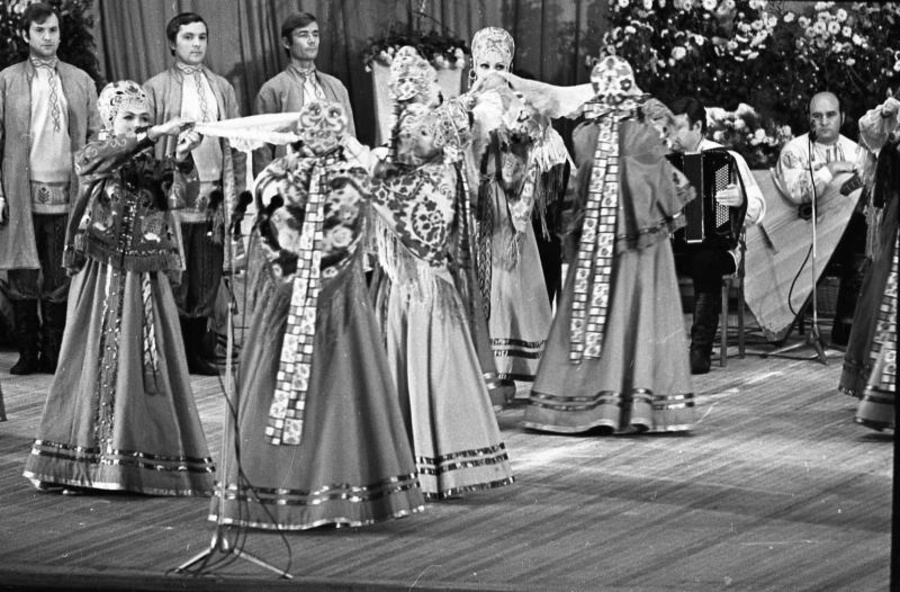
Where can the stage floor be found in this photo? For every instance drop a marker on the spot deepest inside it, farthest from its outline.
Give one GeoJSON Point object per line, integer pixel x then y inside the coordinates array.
{"type": "Point", "coordinates": [776, 489]}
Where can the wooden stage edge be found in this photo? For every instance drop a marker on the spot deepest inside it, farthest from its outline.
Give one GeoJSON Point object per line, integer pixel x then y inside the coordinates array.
{"type": "Point", "coordinates": [775, 489]}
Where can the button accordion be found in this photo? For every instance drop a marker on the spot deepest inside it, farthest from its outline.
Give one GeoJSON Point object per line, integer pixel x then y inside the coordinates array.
{"type": "Point", "coordinates": [706, 221]}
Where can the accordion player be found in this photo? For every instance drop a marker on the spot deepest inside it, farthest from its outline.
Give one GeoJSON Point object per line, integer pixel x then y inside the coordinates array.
{"type": "Point", "coordinates": [708, 222]}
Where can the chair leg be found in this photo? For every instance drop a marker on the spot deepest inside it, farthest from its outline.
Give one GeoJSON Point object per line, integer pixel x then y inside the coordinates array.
{"type": "Point", "coordinates": [723, 351]}
{"type": "Point", "coordinates": [741, 310]}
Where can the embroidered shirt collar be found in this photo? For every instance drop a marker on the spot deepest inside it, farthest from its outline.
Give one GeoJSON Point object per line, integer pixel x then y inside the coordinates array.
{"type": "Point", "coordinates": [187, 69]}
{"type": "Point", "coordinates": [44, 63]}
{"type": "Point", "coordinates": [311, 73]}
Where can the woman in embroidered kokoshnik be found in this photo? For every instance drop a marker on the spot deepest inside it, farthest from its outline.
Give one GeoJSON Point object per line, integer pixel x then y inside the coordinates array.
{"type": "Point", "coordinates": [319, 437]}
{"type": "Point", "coordinates": [517, 168]}
{"type": "Point", "coordinates": [870, 362]}
{"type": "Point", "coordinates": [456, 440]}
{"type": "Point", "coordinates": [616, 357]}
{"type": "Point", "coordinates": [120, 414]}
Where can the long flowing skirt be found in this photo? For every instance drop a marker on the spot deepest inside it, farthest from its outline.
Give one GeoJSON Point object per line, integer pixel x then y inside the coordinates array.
{"type": "Point", "coordinates": [120, 414]}
{"type": "Point", "coordinates": [354, 465]}
{"type": "Point", "coordinates": [641, 381]}
{"type": "Point", "coordinates": [520, 313]}
{"type": "Point", "coordinates": [858, 359]}
{"type": "Point", "coordinates": [449, 415]}
{"type": "Point", "coordinates": [876, 409]}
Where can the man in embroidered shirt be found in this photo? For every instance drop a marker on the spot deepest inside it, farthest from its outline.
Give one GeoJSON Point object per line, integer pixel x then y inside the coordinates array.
{"type": "Point", "coordinates": [299, 82]}
{"type": "Point", "coordinates": [191, 90]}
{"type": "Point", "coordinates": [48, 111]}
{"type": "Point", "coordinates": [832, 153]}
{"type": "Point", "coordinates": [712, 260]}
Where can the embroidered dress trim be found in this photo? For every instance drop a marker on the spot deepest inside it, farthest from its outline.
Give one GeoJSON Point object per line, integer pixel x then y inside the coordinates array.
{"type": "Point", "coordinates": [292, 381]}
{"type": "Point", "coordinates": [124, 458]}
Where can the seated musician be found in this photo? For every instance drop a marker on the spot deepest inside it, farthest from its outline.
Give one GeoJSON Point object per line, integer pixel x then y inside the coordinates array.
{"type": "Point", "coordinates": [714, 258]}
{"type": "Point", "coordinates": [832, 153]}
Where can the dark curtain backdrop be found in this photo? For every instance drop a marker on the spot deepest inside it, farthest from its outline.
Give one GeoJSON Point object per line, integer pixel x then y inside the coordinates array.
{"type": "Point", "coordinates": [553, 37]}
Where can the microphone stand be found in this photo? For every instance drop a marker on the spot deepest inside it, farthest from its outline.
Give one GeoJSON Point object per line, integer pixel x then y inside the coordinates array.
{"type": "Point", "coordinates": [813, 338]}
{"type": "Point", "coordinates": [221, 541]}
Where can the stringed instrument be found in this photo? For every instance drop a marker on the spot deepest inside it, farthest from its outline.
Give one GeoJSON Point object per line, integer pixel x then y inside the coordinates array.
{"type": "Point", "coordinates": [777, 264]}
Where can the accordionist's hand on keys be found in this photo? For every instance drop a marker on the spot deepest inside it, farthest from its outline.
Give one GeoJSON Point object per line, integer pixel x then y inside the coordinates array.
{"type": "Point", "coordinates": [730, 196]}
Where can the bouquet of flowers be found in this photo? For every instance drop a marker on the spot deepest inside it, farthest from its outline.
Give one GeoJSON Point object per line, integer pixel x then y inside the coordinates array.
{"type": "Point", "coordinates": [726, 52]}
{"type": "Point", "coordinates": [757, 139]}
{"type": "Point", "coordinates": [443, 51]}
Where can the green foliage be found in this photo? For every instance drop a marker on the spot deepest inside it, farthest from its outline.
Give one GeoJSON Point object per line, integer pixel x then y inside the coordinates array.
{"type": "Point", "coordinates": [76, 47]}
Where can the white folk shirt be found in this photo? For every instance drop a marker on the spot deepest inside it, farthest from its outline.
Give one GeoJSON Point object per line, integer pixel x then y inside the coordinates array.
{"type": "Point", "coordinates": [50, 159]}
{"type": "Point", "coordinates": [198, 102]}
{"type": "Point", "coordinates": [794, 164]}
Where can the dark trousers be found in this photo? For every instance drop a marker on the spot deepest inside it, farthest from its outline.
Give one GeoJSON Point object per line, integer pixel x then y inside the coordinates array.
{"type": "Point", "coordinates": [50, 283]}
{"type": "Point", "coordinates": [196, 295]}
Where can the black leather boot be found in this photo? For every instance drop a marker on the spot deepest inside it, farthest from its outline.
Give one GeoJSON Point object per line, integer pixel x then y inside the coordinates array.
{"type": "Point", "coordinates": [25, 313]}
{"type": "Point", "coordinates": [707, 307]}
{"type": "Point", "coordinates": [201, 352]}
{"type": "Point", "coordinates": [52, 329]}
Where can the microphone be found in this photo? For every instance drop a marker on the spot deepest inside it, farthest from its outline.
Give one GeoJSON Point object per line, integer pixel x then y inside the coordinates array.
{"type": "Point", "coordinates": [240, 210]}
{"type": "Point", "coordinates": [812, 131]}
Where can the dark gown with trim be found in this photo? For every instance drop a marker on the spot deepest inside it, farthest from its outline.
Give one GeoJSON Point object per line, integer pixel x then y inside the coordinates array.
{"type": "Point", "coordinates": [354, 464]}
{"type": "Point", "coordinates": [641, 382]}
{"type": "Point", "coordinates": [120, 414]}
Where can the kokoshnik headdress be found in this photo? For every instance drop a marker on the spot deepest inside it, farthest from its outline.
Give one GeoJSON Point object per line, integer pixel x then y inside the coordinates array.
{"type": "Point", "coordinates": [617, 97]}
{"type": "Point", "coordinates": [493, 44]}
{"type": "Point", "coordinates": [321, 126]}
{"type": "Point", "coordinates": [119, 95]}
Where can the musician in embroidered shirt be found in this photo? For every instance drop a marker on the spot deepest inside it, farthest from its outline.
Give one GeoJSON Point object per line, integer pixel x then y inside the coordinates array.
{"type": "Point", "coordinates": [832, 154]}
{"type": "Point", "coordinates": [189, 89]}
{"type": "Point", "coordinates": [300, 82]}
{"type": "Point", "coordinates": [712, 260]}
{"type": "Point", "coordinates": [48, 111]}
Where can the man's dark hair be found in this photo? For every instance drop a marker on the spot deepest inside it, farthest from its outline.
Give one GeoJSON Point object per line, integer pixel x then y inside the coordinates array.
{"type": "Point", "coordinates": [294, 21]}
{"type": "Point", "coordinates": [179, 20]}
{"type": "Point", "coordinates": [694, 110]}
{"type": "Point", "coordinates": [37, 13]}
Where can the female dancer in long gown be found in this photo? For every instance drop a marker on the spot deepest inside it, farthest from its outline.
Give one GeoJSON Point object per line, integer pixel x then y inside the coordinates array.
{"type": "Point", "coordinates": [448, 410]}
{"type": "Point", "coordinates": [514, 167]}
{"type": "Point", "coordinates": [870, 363]}
{"type": "Point", "coordinates": [617, 356]}
{"type": "Point", "coordinates": [319, 437]}
{"type": "Point", "coordinates": [120, 414]}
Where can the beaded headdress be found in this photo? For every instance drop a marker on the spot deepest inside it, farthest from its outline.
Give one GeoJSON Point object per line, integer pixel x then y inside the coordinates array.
{"type": "Point", "coordinates": [320, 125]}
{"type": "Point", "coordinates": [116, 96]}
{"type": "Point", "coordinates": [493, 44]}
{"type": "Point", "coordinates": [412, 77]}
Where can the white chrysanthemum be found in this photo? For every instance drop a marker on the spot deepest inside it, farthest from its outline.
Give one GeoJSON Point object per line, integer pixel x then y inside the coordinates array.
{"type": "Point", "coordinates": [789, 17]}
{"type": "Point", "coordinates": [709, 5]}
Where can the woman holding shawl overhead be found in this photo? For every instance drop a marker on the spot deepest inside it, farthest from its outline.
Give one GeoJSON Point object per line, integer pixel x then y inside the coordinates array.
{"type": "Point", "coordinates": [521, 164]}
{"type": "Point", "coordinates": [617, 358]}
{"type": "Point", "coordinates": [120, 414]}
{"type": "Point", "coordinates": [318, 437]}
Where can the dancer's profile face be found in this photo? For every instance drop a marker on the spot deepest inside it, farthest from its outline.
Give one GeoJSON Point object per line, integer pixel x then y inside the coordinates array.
{"type": "Point", "coordinates": [129, 118]}
{"type": "Point", "coordinates": [190, 44]}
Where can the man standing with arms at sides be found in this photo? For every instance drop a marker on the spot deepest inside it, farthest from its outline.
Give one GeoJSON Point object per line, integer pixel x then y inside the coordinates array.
{"type": "Point", "coordinates": [300, 81]}
{"type": "Point", "coordinates": [191, 90]}
{"type": "Point", "coordinates": [832, 153]}
{"type": "Point", "coordinates": [48, 111]}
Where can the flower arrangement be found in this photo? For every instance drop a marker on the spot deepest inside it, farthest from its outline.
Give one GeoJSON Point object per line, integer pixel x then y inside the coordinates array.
{"type": "Point", "coordinates": [759, 140]}
{"type": "Point", "coordinates": [76, 40]}
{"type": "Point", "coordinates": [443, 51]}
{"type": "Point", "coordinates": [759, 52]}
